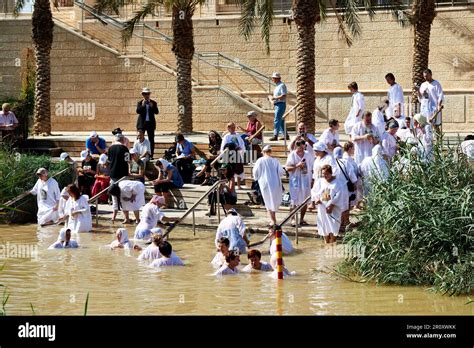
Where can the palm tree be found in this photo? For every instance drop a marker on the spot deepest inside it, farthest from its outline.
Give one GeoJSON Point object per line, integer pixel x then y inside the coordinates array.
{"type": "Point", "coordinates": [306, 13]}
{"type": "Point", "coordinates": [422, 16]}
{"type": "Point", "coordinates": [182, 46]}
{"type": "Point", "coordinates": [42, 30]}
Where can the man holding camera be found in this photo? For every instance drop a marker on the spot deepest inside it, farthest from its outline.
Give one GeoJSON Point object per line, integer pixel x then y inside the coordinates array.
{"type": "Point", "coordinates": [302, 134]}
{"type": "Point", "coordinates": [146, 110]}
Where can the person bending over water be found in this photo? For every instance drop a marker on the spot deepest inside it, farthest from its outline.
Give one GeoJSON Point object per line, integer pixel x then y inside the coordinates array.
{"type": "Point", "coordinates": [222, 251]}
{"type": "Point", "coordinates": [168, 257]}
{"type": "Point", "coordinates": [232, 261]}
{"type": "Point", "coordinates": [122, 241]}
{"type": "Point", "coordinates": [255, 264]}
{"type": "Point", "coordinates": [233, 228]}
{"type": "Point", "coordinates": [151, 252]}
{"type": "Point", "coordinates": [64, 240]}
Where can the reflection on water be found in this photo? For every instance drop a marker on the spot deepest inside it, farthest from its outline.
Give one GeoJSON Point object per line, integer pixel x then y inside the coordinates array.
{"type": "Point", "coordinates": [56, 282]}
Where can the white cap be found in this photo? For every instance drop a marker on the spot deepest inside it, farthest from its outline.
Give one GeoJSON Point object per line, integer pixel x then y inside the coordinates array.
{"type": "Point", "coordinates": [42, 171]}
{"type": "Point", "coordinates": [146, 90]}
{"type": "Point", "coordinates": [267, 148]}
{"type": "Point", "coordinates": [252, 113]}
{"type": "Point", "coordinates": [84, 154]}
{"type": "Point", "coordinates": [320, 146]}
{"type": "Point", "coordinates": [63, 156]}
{"type": "Point", "coordinates": [102, 158]}
{"type": "Point", "coordinates": [93, 134]}
{"type": "Point", "coordinates": [276, 75]}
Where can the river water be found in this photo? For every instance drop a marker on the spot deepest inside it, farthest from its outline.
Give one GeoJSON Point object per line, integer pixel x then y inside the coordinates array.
{"type": "Point", "coordinates": [56, 282]}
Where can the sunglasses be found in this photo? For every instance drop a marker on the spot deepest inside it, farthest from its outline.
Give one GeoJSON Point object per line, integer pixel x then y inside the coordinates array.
{"type": "Point", "coordinates": [298, 143]}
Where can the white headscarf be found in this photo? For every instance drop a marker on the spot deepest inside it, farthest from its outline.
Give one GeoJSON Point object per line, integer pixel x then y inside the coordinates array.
{"type": "Point", "coordinates": [123, 235]}
{"type": "Point", "coordinates": [62, 235]}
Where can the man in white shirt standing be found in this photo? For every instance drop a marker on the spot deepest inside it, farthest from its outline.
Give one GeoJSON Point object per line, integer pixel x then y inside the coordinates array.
{"type": "Point", "coordinates": [279, 103]}
{"type": "Point", "coordinates": [357, 108]}
{"type": "Point", "coordinates": [431, 97]}
{"type": "Point", "coordinates": [396, 106]}
{"type": "Point", "coordinates": [8, 121]}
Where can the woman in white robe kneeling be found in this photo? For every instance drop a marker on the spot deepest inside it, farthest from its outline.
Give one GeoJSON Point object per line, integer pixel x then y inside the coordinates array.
{"type": "Point", "coordinates": [48, 194]}
{"type": "Point", "coordinates": [331, 201]}
{"type": "Point", "coordinates": [64, 240]}
{"type": "Point", "coordinates": [78, 211]}
{"type": "Point", "coordinates": [268, 172]}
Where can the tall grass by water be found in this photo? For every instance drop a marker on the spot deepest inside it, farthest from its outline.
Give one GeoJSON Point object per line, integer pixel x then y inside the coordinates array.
{"type": "Point", "coordinates": [417, 227]}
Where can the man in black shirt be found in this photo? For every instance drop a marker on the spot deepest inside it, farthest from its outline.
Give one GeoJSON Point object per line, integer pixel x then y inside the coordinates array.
{"type": "Point", "coordinates": [118, 158]}
{"type": "Point", "coordinates": [146, 110]}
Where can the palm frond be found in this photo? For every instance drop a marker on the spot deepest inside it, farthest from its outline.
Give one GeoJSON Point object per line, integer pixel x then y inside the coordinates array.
{"type": "Point", "coordinates": [18, 7]}
{"type": "Point", "coordinates": [351, 17]}
{"type": "Point", "coordinates": [323, 9]}
{"type": "Point", "coordinates": [396, 8]}
{"type": "Point", "coordinates": [109, 5]}
{"type": "Point", "coordinates": [247, 18]}
{"type": "Point", "coordinates": [148, 9]}
{"type": "Point", "coordinates": [265, 13]}
{"type": "Point", "coordinates": [342, 30]}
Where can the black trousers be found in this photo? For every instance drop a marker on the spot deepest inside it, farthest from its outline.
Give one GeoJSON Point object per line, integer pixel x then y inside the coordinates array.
{"type": "Point", "coordinates": [150, 131]}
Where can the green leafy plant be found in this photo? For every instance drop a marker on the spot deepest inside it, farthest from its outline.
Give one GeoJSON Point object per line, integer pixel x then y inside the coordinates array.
{"type": "Point", "coordinates": [417, 226]}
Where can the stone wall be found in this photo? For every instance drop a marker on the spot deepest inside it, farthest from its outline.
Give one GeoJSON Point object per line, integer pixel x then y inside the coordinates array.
{"type": "Point", "coordinates": [84, 73]}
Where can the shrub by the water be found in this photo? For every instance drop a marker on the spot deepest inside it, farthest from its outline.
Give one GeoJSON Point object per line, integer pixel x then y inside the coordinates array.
{"type": "Point", "coordinates": [417, 227]}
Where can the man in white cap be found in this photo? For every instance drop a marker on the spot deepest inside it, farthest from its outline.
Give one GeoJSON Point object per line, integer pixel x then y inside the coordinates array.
{"type": "Point", "coordinates": [47, 192]}
{"type": "Point", "coordinates": [279, 103]}
{"type": "Point", "coordinates": [146, 110]}
{"type": "Point", "coordinates": [95, 144]}
{"type": "Point", "coordinates": [268, 172]}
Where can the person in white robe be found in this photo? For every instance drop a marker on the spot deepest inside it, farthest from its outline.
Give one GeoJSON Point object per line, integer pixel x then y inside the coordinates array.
{"type": "Point", "coordinates": [64, 240]}
{"type": "Point", "coordinates": [150, 216]}
{"type": "Point", "coordinates": [389, 142]}
{"type": "Point", "coordinates": [424, 134]}
{"type": "Point", "coordinates": [122, 242]}
{"type": "Point", "coordinates": [299, 165]}
{"type": "Point", "coordinates": [132, 198]}
{"type": "Point", "coordinates": [396, 107]}
{"type": "Point", "coordinates": [331, 202]}
{"type": "Point", "coordinates": [378, 118]}
{"type": "Point", "coordinates": [373, 168]}
{"type": "Point", "coordinates": [286, 245]}
{"type": "Point", "coordinates": [78, 211]}
{"type": "Point", "coordinates": [406, 133]}
{"type": "Point", "coordinates": [223, 245]}
{"type": "Point", "coordinates": [353, 171]}
{"type": "Point", "coordinates": [255, 265]}
{"type": "Point", "coordinates": [233, 228]}
{"type": "Point", "coordinates": [322, 158]}
{"type": "Point", "coordinates": [330, 136]}
{"type": "Point", "coordinates": [230, 267]}
{"type": "Point", "coordinates": [151, 252]}
{"type": "Point", "coordinates": [347, 175]}
{"type": "Point", "coordinates": [357, 108]}
{"type": "Point", "coordinates": [168, 257]}
{"type": "Point", "coordinates": [431, 97]}
{"type": "Point", "coordinates": [364, 135]}
{"type": "Point", "coordinates": [467, 146]}
{"type": "Point", "coordinates": [268, 172]}
{"type": "Point", "coordinates": [62, 205]}
{"type": "Point", "coordinates": [47, 192]}
{"type": "Point", "coordinates": [273, 264]}
{"type": "Point", "coordinates": [303, 134]}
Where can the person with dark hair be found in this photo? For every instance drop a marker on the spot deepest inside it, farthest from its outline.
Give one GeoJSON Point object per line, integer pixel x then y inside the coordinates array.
{"type": "Point", "coordinates": [126, 141]}
{"type": "Point", "coordinates": [255, 264]}
{"type": "Point", "coordinates": [142, 146]}
{"type": "Point", "coordinates": [78, 211]}
{"type": "Point", "coordinates": [232, 261]}
{"type": "Point", "coordinates": [185, 155]}
{"type": "Point", "coordinates": [215, 142]}
{"type": "Point", "coordinates": [137, 167]}
{"type": "Point", "coordinates": [357, 108]}
{"type": "Point", "coordinates": [146, 110]}
{"type": "Point", "coordinates": [152, 252]}
{"type": "Point", "coordinates": [168, 257]}
{"type": "Point", "coordinates": [331, 202]}
{"type": "Point", "coordinates": [168, 178]}
{"type": "Point", "coordinates": [64, 240]}
{"type": "Point", "coordinates": [467, 146]}
{"type": "Point", "coordinates": [431, 97]}
{"type": "Point", "coordinates": [118, 158]}
{"type": "Point", "coordinates": [365, 136]}
{"type": "Point", "coordinates": [86, 174]}
{"type": "Point", "coordinates": [330, 136]}
{"type": "Point", "coordinates": [396, 107]}
{"type": "Point", "coordinates": [223, 244]}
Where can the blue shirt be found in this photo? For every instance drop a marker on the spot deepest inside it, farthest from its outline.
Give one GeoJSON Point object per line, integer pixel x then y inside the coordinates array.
{"type": "Point", "coordinates": [176, 178]}
{"type": "Point", "coordinates": [91, 147]}
{"type": "Point", "coordinates": [185, 148]}
{"type": "Point", "coordinates": [280, 90]}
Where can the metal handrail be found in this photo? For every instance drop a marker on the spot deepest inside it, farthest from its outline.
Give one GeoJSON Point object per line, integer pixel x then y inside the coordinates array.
{"type": "Point", "coordinates": [193, 207]}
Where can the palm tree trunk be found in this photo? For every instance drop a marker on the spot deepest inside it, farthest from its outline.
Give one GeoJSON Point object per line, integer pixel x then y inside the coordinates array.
{"type": "Point", "coordinates": [43, 26]}
{"type": "Point", "coordinates": [306, 14]}
{"type": "Point", "coordinates": [423, 12]}
{"type": "Point", "coordinates": [183, 48]}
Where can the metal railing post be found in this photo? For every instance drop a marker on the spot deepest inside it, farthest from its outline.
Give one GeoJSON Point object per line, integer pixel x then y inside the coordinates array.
{"type": "Point", "coordinates": [194, 224]}
{"type": "Point", "coordinates": [82, 17]}
{"type": "Point", "coordinates": [297, 222]}
{"type": "Point", "coordinates": [97, 212]}
{"type": "Point", "coordinates": [284, 138]}
{"type": "Point", "coordinates": [218, 207]}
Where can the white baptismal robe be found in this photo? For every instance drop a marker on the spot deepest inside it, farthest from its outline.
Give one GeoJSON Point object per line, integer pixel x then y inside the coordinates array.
{"type": "Point", "coordinates": [129, 188]}
{"type": "Point", "coordinates": [300, 182]}
{"type": "Point", "coordinates": [48, 194]}
{"type": "Point", "coordinates": [268, 172]}
{"type": "Point", "coordinates": [363, 148]}
{"type": "Point", "coordinates": [331, 193]}
{"type": "Point", "coordinates": [81, 222]}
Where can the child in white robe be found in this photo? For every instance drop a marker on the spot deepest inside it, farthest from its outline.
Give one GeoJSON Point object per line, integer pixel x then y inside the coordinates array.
{"type": "Point", "coordinates": [331, 202]}
{"type": "Point", "coordinates": [230, 267]}
{"type": "Point", "coordinates": [64, 240]}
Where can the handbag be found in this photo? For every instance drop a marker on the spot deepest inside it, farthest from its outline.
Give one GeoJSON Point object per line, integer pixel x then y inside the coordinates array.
{"type": "Point", "coordinates": [350, 185]}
